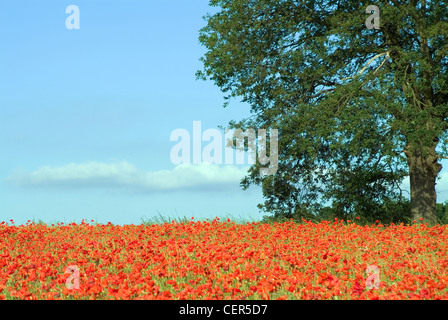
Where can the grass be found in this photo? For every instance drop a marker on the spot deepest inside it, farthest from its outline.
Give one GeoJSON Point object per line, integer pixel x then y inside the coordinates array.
{"type": "Point", "coordinates": [159, 219]}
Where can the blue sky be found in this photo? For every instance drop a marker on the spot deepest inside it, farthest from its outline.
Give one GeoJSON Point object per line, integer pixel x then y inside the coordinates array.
{"type": "Point", "coordinates": [86, 115]}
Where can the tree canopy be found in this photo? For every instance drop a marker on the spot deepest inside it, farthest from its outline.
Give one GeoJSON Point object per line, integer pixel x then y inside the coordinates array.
{"type": "Point", "coordinates": [356, 109]}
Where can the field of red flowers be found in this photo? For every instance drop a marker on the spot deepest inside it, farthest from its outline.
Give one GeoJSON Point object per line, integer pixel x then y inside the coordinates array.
{"type": "Point", "coordinates": [223, 260]}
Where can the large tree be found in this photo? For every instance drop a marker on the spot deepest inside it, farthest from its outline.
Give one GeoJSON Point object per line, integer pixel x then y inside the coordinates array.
{"type": "Point", "coordinates": [352, 104]}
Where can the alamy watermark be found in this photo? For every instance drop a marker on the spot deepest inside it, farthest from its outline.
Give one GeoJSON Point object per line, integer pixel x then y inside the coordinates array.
{"type": "Point", "coordinates": [373, 280]}
{"type": "Point", "coordinates": [375, 16]}
{"type": "Point", "coordinates": [74, 276]}
{"type": "Point", "coordinates": [213, 152]}
{"type": "Point", "coordinates": [72, 21]}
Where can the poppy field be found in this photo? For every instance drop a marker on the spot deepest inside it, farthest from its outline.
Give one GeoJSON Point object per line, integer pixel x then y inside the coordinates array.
{"type": "Point", "coordinates": [223, 260]}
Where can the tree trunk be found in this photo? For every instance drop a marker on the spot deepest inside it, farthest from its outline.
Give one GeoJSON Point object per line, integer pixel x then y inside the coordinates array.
{"type": "Point", "coordinates": [423, 170]}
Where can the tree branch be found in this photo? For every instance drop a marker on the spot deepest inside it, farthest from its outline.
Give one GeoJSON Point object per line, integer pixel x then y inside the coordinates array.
{"type": "Point", "coordinates": [370, 61]}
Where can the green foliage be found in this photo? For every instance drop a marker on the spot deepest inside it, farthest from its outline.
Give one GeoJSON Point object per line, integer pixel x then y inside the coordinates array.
{"type": "Point", "coordinates": [395, 211]}
{"type": "Point", "coordinates": [347, 100]}
{"type": "Point", "coordinates": [442, 212]}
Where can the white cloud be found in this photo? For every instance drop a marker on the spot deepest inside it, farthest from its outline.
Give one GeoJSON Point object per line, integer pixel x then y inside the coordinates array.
{"type": "Point", "coordinates": [206, 177]}
{"type": "Point", "coordinates": [99, 175]}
